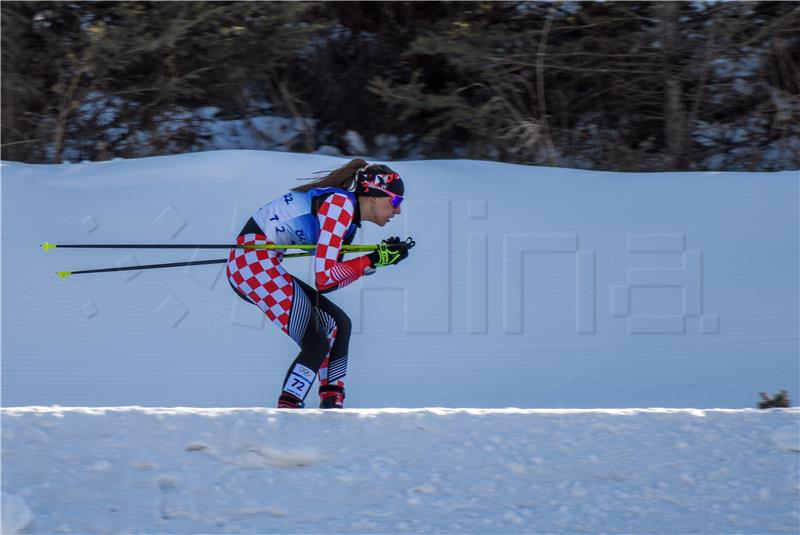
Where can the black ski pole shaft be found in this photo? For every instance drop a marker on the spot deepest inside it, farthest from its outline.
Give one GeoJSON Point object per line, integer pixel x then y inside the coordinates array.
{"type": "Point", "coordinates": [47, 246]}
{"type": "Point", "coordinates": [64, 274]}
{"type": "Point", "coordinates": [347, 248]}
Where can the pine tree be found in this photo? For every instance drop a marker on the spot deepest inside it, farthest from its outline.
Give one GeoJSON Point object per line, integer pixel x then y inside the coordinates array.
{"type": "Point", "coordinates": [779, 400]}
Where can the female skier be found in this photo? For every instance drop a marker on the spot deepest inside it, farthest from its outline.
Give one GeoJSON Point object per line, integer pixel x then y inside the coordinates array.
{"type": "Point", "coordinates": [325, 212]}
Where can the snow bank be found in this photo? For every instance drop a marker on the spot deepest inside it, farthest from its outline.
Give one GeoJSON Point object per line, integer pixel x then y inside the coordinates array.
{"type": "Point", "coordinates": [153, 470]}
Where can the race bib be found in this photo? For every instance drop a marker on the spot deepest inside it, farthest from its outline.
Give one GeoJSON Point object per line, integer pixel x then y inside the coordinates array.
{"type": "Point", "coordinates": [299, 381]}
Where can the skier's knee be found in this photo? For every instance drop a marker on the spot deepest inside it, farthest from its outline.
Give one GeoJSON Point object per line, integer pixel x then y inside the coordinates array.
{"type": "Point", "coordinates": [314, 348]}
{"type": "Point", "coordinates": [343, 327]}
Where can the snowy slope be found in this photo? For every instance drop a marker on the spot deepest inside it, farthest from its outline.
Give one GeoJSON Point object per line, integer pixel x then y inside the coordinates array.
{"type": "Point", "coordinates": [529, 287]}
{"type": "Point", "coordinates": [138, 470]}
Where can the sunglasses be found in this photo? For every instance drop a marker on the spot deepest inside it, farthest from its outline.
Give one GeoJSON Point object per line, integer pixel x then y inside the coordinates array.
{"type": "Point", "coordinates": [396, 199]}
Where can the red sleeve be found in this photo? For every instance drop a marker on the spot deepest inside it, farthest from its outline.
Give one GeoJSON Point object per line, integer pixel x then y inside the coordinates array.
{"type": "Point", "coordinates": [335, 216]}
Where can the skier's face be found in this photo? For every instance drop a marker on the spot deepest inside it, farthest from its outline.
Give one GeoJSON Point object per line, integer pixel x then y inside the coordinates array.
{"type": "Point", "coordinates": [383, 210]}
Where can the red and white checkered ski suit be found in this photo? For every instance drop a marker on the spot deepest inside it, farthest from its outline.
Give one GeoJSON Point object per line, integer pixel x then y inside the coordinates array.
{"type": "Point", "coordinates": [328, 217]}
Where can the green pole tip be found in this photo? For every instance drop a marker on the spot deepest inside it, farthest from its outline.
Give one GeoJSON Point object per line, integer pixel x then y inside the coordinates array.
{"type": "Point", "coordinates": [63, 274]}
{"type": "Point", "coordinates": [47, 246]}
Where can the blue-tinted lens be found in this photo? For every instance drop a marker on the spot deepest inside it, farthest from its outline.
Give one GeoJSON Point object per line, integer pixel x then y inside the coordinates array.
{"type": "Point", "coordinates": [396, 200]}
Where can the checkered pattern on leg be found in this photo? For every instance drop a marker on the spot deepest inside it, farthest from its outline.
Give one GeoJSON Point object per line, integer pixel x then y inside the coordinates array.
{"type": "Point", "coordinates": [258, 274]}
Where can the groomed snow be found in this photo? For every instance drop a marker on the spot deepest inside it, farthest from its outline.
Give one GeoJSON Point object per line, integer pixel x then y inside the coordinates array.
{"type": "Point", "coordinates": [436, 470]}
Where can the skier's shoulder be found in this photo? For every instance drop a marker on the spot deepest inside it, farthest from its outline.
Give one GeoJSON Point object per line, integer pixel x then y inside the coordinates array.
{"type": "Point", "coordinates": [336, 196]}
{"type": "Point", "coordinates": [325, 193]}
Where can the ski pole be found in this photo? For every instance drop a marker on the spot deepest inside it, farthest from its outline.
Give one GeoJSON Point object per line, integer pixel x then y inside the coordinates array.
{"type": "Point", "coordinates": [307, 251]}
{"type": "Point", "coordinates": [65, 274]}
{"type": "Point", "coordinates": [345, 248]}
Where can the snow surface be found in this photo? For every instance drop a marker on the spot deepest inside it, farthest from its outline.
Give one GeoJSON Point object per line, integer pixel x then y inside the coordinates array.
{"type": "Point", "coordinates": [189, 470]}
{"type": "Point", "coordinates": [529, 287]}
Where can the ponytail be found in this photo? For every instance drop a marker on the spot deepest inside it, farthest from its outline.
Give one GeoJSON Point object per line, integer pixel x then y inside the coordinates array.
{"type": "Point", "coordinates": [343, 177]}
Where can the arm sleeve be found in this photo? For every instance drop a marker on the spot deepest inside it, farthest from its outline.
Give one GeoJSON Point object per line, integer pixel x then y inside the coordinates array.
{"type": "Point", "coordinates": [335, 216]}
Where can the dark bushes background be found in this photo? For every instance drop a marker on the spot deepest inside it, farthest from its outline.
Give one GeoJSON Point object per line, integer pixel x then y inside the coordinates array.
{"type": "Point", "coordinates": [627, 86]}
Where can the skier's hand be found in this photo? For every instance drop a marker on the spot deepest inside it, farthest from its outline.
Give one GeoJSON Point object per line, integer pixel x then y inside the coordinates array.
{"type": "Point", "coordinates": [391, 251]}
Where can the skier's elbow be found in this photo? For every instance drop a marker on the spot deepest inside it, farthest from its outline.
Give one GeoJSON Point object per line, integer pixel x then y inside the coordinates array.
{"type": "Point", "coordinates": [323, 283]}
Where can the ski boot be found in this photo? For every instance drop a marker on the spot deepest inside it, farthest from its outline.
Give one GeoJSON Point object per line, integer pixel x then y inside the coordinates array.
{"type": "Point", "coordinates": [331, 397]}
{"type": "Point", "coordinates": [290, 401]}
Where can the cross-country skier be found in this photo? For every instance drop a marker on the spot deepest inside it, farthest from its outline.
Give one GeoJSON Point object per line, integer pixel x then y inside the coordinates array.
{"type": "Point", "coordinates": [325, 212]}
